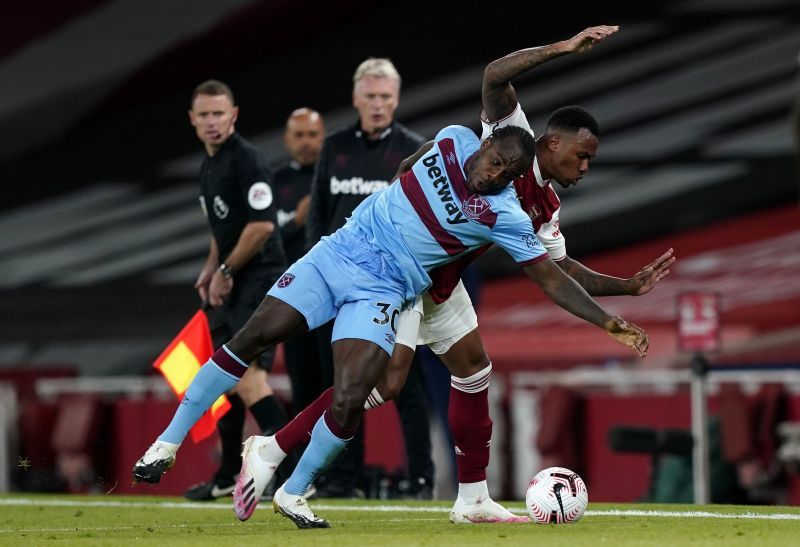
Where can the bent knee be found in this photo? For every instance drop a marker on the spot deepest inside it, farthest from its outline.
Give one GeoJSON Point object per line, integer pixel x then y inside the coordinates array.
{"type": "Point", "coordinates": [467, 368]}
{"type": "Point", "coordinates": [348, 403]}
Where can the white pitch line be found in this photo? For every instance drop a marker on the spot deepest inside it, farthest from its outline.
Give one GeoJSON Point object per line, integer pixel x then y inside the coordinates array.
{"type": "Point", "coordinates": [144, 527]}
{"type": "Point", "coordinates": [201, 505]}
{"type": "Point", "coordinates": [395, 508]}
{"type": "Point", "coordinates": [693, 514]}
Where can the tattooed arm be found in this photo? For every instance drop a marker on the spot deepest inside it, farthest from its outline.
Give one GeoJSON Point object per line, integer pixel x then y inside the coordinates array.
{"type": "Point", "coordinates": [497, 93]}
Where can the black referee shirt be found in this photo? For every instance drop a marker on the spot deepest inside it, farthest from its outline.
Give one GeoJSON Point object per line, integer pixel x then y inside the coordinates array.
{"type": "Point", "coordinates": [350, 169]}
{"type": "Point", "coordinates": [236, 188]}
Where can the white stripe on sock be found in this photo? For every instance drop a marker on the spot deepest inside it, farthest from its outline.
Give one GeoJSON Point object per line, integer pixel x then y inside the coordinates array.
{"type": "Point", "coordinates": [229, 352]}
{"type": "Point", "coordinates": [374, 399]}
{"type": "Point", "coordinates": [473, 384]}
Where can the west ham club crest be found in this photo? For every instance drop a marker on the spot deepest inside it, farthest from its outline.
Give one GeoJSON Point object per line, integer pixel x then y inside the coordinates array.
{"type": "Point", "coordinates": [286, 280]}
{"type": "Point", "coordinates": [474, 206]}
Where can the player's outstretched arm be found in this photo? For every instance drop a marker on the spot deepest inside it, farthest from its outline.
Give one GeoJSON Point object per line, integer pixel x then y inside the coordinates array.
{"type": "Point", "coordinates": [567, 293]}
{"type": "Point", "coordinates": [497, 93]}
{"type": "Point", "coordinates": [597, 284]}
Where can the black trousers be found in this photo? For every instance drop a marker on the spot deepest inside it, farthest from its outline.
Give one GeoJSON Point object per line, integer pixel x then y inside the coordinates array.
{"type": "Point", "coordinates": [305, 373]}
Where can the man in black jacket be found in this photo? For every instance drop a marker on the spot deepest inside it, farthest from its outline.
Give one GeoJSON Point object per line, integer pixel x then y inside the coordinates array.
{"type": "Point", "coordinates": [356, 162]}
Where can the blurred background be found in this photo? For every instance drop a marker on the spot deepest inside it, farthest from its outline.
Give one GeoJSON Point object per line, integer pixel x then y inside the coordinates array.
{"type": "Point", "coordinates": [102, 237]}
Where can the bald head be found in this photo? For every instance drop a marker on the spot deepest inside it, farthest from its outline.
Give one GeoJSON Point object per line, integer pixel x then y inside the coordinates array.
{"type": "Point", "coordinates": [303, 136]}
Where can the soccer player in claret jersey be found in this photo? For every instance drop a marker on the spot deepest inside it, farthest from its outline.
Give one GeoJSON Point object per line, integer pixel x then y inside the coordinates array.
{"type": "Point", "coordinates": [449, 323]}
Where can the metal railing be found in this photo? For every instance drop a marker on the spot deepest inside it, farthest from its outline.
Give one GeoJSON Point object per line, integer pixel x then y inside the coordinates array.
{"type": "Point", "coordinates": [701, 380]}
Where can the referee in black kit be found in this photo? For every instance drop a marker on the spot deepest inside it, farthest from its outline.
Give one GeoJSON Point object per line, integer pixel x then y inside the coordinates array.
{"type": "Point", "coordinates": [245, 257]}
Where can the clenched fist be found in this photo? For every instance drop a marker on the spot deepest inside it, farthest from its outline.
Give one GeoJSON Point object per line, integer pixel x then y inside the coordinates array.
{"type": "Point", "coordinates": [628, 334]}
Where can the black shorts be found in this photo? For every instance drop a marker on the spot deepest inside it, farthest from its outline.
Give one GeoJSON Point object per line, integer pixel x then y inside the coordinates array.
{"type": "Point", "coordinates": [248, 292]}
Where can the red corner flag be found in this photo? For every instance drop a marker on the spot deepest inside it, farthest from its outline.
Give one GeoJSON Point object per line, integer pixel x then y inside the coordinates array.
{"type": "Point", "coordinates": [180, 362]}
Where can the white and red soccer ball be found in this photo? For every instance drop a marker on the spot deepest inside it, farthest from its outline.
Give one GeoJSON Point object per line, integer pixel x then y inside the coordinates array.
{"type": "Point", "coordinates": [556, 495]}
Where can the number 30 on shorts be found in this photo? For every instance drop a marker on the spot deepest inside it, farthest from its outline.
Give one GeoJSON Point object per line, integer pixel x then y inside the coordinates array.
{"type": "Point", "coordinates": [386, 315]}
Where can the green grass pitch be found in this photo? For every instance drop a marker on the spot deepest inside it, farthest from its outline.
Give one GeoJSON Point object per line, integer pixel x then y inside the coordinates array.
{"type": "Point", "coordinates": [115, 520]}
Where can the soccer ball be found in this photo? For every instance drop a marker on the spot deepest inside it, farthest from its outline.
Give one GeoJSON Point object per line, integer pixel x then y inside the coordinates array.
{"type": "Point", "coordinates": [556, 495]}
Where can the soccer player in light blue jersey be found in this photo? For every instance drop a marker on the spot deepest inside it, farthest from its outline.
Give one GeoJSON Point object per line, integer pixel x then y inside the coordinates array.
{"type": "Point", "coordinates": [440, 209]}
{"type": "Point", "coordinates": [455, 199]}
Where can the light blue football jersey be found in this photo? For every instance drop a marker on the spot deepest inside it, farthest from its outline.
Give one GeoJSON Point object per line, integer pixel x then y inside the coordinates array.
{"type": "Point", "coordinates": [429, 218]}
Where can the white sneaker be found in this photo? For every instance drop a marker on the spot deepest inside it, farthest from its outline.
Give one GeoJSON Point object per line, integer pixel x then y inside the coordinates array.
{"type": "Point", "coordinates": [260, 458]}
{"type": "Point", "coordinates": [296, 509]}
{"type": "Point", "coordinates": [156, 461]}
{"type": "Point", "coordinates": [485, 511]}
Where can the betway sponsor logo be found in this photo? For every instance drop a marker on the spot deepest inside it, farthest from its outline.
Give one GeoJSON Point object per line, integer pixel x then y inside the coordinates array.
{"type": "Point", "coordinates": [439, 181]}
{"type": "Point", "coordinates": [356, 185]}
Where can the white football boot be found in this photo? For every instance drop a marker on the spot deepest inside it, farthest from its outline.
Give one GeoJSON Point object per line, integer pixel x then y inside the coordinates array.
{"type": "Point", "coordinates": [484, 511]}
{"type": "Point", "coordinates": [156, 461]}
{"type": "Point", "coordinates": [296, 509]}
{"type": "Point", "coordinates": [261, 456]}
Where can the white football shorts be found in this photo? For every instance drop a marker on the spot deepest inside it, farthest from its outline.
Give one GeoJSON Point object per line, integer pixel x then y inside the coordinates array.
{"type": "Point", "coordinates": [437, 326]}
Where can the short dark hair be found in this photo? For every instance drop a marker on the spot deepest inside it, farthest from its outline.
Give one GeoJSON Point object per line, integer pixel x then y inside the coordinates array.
{"type": "Point", "coordinates": [526, 141]}
{"type": "Point", "coordinates": [573, 118]}
{"type": "Point", "coordinates": [211, 88]}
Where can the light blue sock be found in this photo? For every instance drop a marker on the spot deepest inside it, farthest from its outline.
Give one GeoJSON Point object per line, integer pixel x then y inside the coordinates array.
{"type": "Point", "coordinates": [208, 384]}
{"type": "Point", "coordinates": [321, 451]}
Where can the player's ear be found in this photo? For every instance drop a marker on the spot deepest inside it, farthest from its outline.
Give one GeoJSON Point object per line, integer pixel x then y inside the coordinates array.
{"type": "Point", "coordinates": [235, 115]}
{"type": "Point", "coordinates": [553, 140]}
